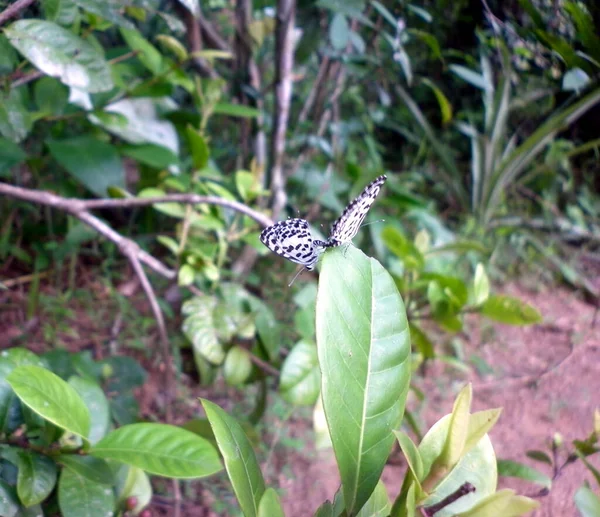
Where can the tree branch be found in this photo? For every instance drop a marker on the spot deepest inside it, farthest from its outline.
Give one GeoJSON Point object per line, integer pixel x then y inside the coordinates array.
{"type": "Point", "coordinates": [13, 10]}
{"type": "Point", "coordinates": [284, 58]}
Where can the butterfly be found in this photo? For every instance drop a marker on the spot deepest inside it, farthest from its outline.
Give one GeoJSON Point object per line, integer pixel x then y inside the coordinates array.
{"type": "Point", "coordinates": [345, 228]}
{"type": "Point", "coordinates": [292, 240]}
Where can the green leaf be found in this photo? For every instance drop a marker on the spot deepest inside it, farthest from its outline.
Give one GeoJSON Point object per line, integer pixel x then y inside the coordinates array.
{"type": "Point", "coordinates": [339, 32]}
{"type": "Point", "coordinates": [10, 155]}
{"type": "Point", "coordinates": [97, 404]}
{"type": "Point", "coordinates": [518, 470]}
{"type": "Point", "coordinates": [94, 469]}
{"type": "Point", "coordinates": [240, 460]}
{"type": "Point", "coordinates": [378, 504]}
{"type": "Point", "coordinates": [160, 449]}
{"type": "Point", "coordinates": [62, 12]}
{"type": "Point", "coordinates": [300, 379]}
{"type": "Point", "coordinates": [511, 311]}
{"type": "Point", "coordinates": [9, 504]}
{"type": "Point", "coordinates": [200, 328]}
{"type": "Point", "coordinates": [587, 502]}
{"type": "Point", "coordinates": [147, 53]}
{"type": "Point", "coordinates": [411, 453]}
{"type": "Point", "coordinates": [421, 342]}
{"type": "Point", "coordinates": [152, 155]}
{"type": "Point", "coordinates": [473, 78]}
{"type": "Point", "coordinates": [540, 456]}
{"type": "Point", "coordinates": [95, 164]}
{"type": "Point", "coordinates": [108, 9]}
{"type": "Point", "coordinates": [80, 497]}
{"type": "Point", "coordinates": [36, 478]}
{"type": "Point", "coordinates": [10, 408]}
{"type": "Point", "coordinates": [59, 53]}
{"type": "Point", "coordinates": [51, 96]}
{"type": "Point", "coordinates": [481, 285]}
{"type": "Point", "coordinates": [236, 110]}
{"type": "Point", "coordinates": [199, 148]}
{"type": "Point", "coordinates": [15, 120]}
{"type": "Point", "coordinates": [403, 248]}
{"type": "Point", "coordinates": [443, 102]}
{"type": "Point", "coordinates": [237, 366]}
{"type": "Point", "coordinates": [51, 397]}
{"type": "Point", "coordinates": [504, 503]}
{"type": "Point", "coordinates": [134, 482]}
{"type": "Point", "coordinates": [363, 343]}
{"type": "Point", "coordinates": [270, 505]}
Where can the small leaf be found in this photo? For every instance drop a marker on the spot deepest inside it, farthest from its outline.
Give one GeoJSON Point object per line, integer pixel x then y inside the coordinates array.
{"type": "Point", "coordinates": [10, 155]}
{"type": "Point", "coordinates": [240, 460]}
{"type": "Point", "coordinates": [60, 53]}
{"type": "Point", "coordinates": [15, 120]}
{"type": "Point", "coordinates": [94, 469]}
{"type": "Point", "coordinates": [339, 32]}
{"type": "Point", "coordinates": [443, 102]}
{"type": "Point", "coordinates": [300, 380]}
{"type": "Point", "coordinates": [237, 366]}
{"type": "Point", "coordinates": [146, 52]}
{"type": "Point", "coordinates": [51, 397]}
{"type": "Point", "coordinates": [236, 110]}
{"type": "Point", "coordinates": [109, 10]}
{"type": "Point", "coordinates": [515, 469]}
{"type": "Point", "coordinates": [540, 456]}
{"type": "Point", "coordinates": [481, 285]}
{"type": "Point", "coordinates": [504, 503]}
{"type": "Point", "coordinates": [95, 400]}
{"type": "Point", "coordinates": [9, 504]}
{"type": "Point", "coordinates": [587, 502]}
{"type": "Point", "coordinates": [160, 449]}
{"type": "Point", "coordinates": [134, 482]}
{"type": "Point", "coordinates": [270, 505]}
{"type": "Point", "coordinates": [473, 78]}
{"type": "Point", "coordinates": [511, 311]}
{"type": "Point", "coordinates": [36, 478]}
{"type": "Point", "coordinates": [199, 148]}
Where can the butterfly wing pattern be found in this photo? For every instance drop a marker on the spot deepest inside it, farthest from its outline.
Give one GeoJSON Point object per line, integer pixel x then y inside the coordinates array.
{"type": "Point", "coordinates": [292, 240]}
{"type": "Point", "coordinates": [347, 225]}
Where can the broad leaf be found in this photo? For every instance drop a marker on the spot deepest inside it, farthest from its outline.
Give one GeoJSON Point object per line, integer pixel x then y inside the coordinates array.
{"type": "Point", "coordinates": [240, 460]}
{"type": "Point", "coordinates": [80, 497]}
{"type": "Point", "coordinates": [95, 164]}
{"type": "Point", "coordinates": [97, 404]}
{"type": "Point", "coordinates": [36, 478]}
{"type": "Point", "coordinates": [51, 397]}
{"type": "Point", "coordinates": [160, 449]}
{"type": "Point", "coordinates": [364, 354]}
{"type": "Point", "coordinates": [15, 120]}
{"type": "Point", "coordinates": [587, 502]}
{"type": "Point", "coordinates": [511, 311]}
{"type": "Point", "coordinates": [270, 505]}
{"type": "Point", "coordinates": [59, 53]}
{"type": "Point", "coordinates": [94, 469]}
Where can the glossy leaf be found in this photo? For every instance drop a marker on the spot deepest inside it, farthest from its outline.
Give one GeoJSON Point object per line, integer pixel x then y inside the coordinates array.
{"type": "Point", "coordinates": [95, 164]}
{"type": "Point", "coordinates": [270, 505]}
{"type": "Point", "coordinates": [378, 504]}
{"type": "Point", "coordinates": [95, 400]}
{"type": "Point", "coordinates": [160, 449]}
{"type": "Point", "coordinates": [237, 366]}
{"type": "Point", "coordinates": [52, 398]}
{"type": "Point", "coordinates": [36, 478]}
{"type": "Point", "coordinates": [364, 353]}
{"type": "Point", "coordinates": [80, 497]}
{"type": "Point", "coordinates": [504, 502]}
{"type": "Point", "coordinates": [240, 460]}
{"type": "Point", "coordinates": [134, 482]}
{"type": "Point", "coordinates": [300, 380]}
{"type": "Point", "coordinates": [94, 469]}
{"type": "Point", "coordinates": [481, 285]}
{"type": "Point", "coordinates": [59, 53]}
{"type": "Point", "coordinates": [509, 310]}
{"type": "Point", "coordinates": [200, 328]}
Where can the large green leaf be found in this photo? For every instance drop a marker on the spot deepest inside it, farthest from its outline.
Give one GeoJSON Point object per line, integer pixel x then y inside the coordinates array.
{"type": "Point", "coordinates": [36, 478]}
{"type": "Point", "coordinates": [364, 353]}
{"type": "Point", "coordinates": [94, 469]}
{"type": "Point", "coordinates": [240, 460]}
{"type": "Point", "coordinates": [97, 404]}
{"type": "Point", "coordinates": [60, 53]}
{"type": "Point", "coordinates": [51, 397]}
{"type": "Point", "coordinates": [80, 497]}
{"type": "Point", "coordinates": [270, 506]}
{"type": "Point", "coordinates": [95, 164]}
{"type": "Point", "coordinates": [160, 449]}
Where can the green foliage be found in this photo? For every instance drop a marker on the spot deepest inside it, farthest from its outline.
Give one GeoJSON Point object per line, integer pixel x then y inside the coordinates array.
{"type": "Point", "coordinates": [64, 451]}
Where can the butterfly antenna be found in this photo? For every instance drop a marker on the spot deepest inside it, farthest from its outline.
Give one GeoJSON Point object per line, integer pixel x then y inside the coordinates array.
{"type": "Point", "coordinates": [296, 276]}
{"type": "Point", "coordinates": [373, 222]}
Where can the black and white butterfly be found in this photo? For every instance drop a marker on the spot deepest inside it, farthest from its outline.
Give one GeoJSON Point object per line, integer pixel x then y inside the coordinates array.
{"type": "Point", "coordinates": [292, 238]}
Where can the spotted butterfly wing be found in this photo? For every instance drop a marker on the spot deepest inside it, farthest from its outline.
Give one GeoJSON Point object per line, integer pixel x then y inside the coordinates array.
{"type": "Point", "coordinates": [292, 240]}
{"type": "Point", "coordinates": [347, 225]}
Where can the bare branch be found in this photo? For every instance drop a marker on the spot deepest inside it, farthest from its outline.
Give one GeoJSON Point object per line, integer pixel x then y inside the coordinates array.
{"type": "Point", "coordinates": [284, 57]}
{"type": "Point", "coordinates": [13, 10]}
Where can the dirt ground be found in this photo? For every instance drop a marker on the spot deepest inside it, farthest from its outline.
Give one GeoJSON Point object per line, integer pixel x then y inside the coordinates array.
{"type": "Point", "coordinates": [546, 377]}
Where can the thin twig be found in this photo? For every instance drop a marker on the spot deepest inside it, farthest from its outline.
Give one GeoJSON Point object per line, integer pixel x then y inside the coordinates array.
{"type": "Point", "coordinates": [13, 10]}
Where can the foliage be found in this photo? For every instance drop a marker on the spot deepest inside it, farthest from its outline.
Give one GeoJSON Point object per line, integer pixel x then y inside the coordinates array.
{"type": "Point", "coordinates": [61, 445]}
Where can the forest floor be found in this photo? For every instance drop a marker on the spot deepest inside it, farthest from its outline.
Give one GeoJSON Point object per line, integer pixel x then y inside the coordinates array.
{"type": "Point", "coordinates": [546, 377]}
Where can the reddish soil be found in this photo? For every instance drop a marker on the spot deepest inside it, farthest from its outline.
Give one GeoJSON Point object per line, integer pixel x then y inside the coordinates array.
{"type": "Point", "coordinates": [546, 377]}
